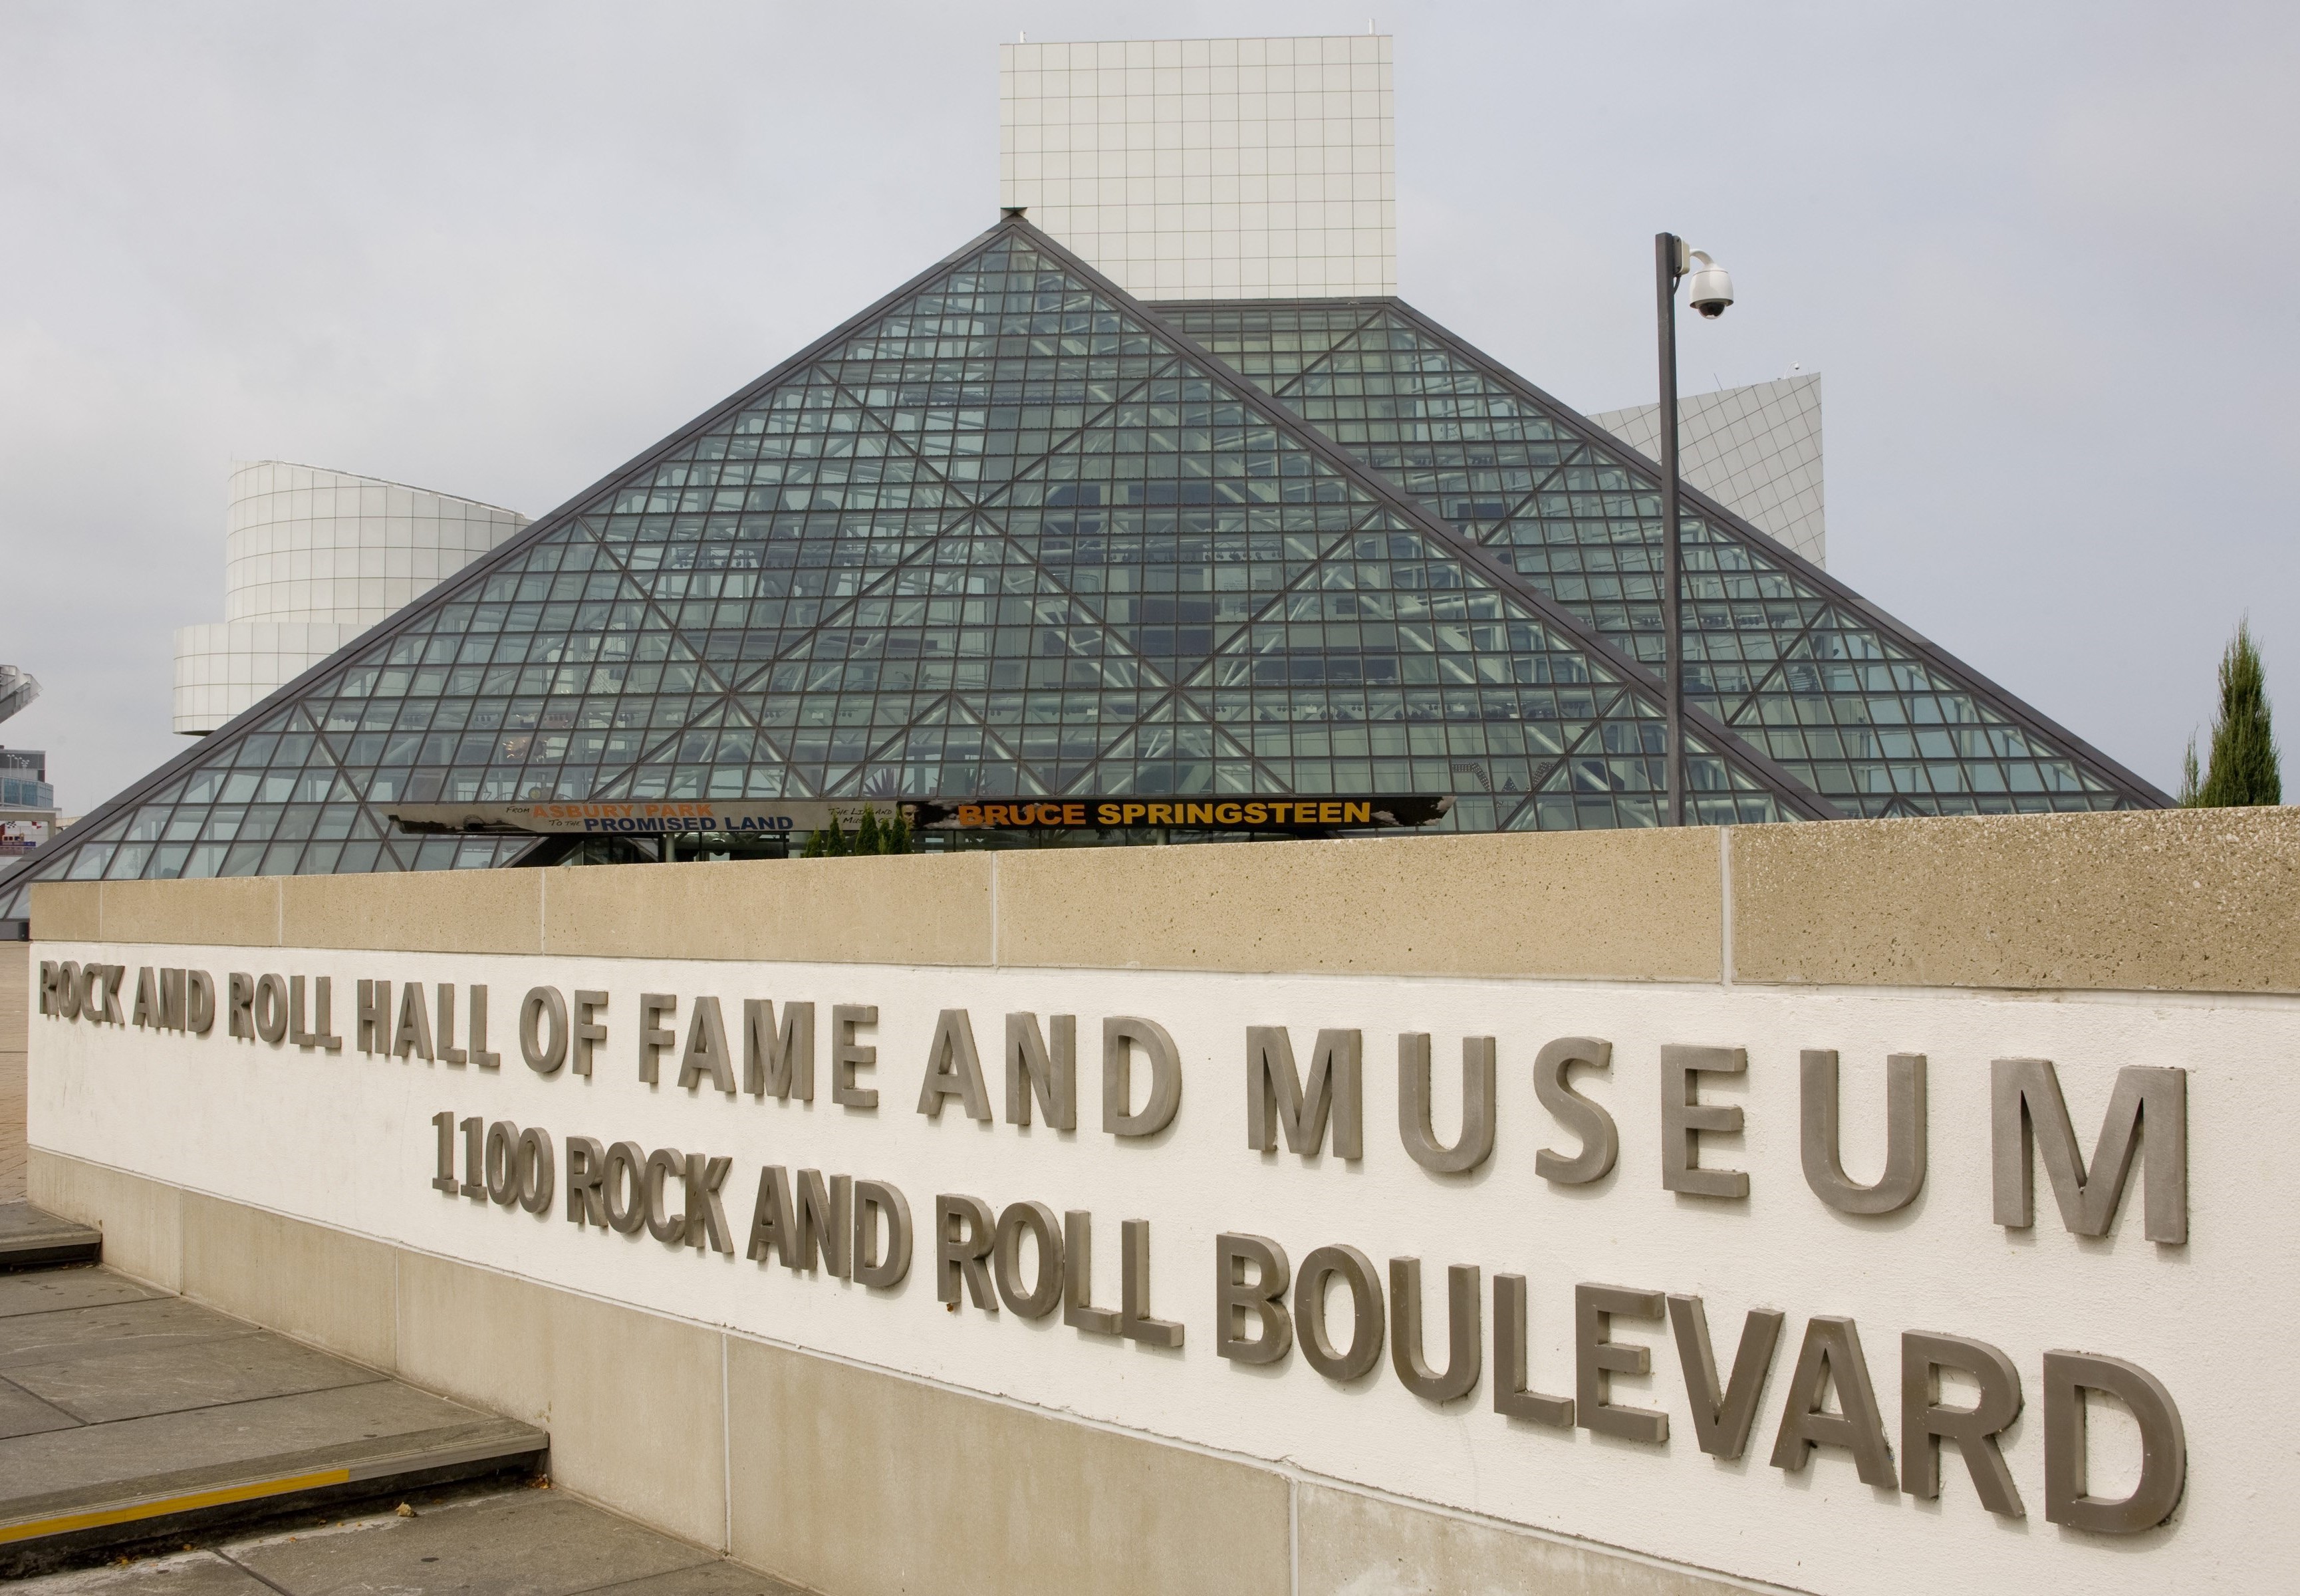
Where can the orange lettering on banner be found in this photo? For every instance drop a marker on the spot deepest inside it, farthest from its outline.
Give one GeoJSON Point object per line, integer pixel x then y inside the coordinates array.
{"type": "Point", "coordinates": [1133, 813]}
{"type": "Point", "coordinates": [1074, 815]}
{"type": "Point", "coordinates": [1226, 814]}
{"type": "Point", "coordinates": [1161, 815]}
{"type": "Point", "coordinates": [970, 814]}
{"type": "Point", "coordinates": [1357, 814]}
{"type": "Point", "coordinates": [1107, 815]}
{"type": "Point", "coordinates": [1280, 812]}
{"type": "Point", "coordinates": [1330, 813]}
{"type": "Point", "coordinates": [1255, 814]}
{"type": "Point", "coordinates": [996, 814]}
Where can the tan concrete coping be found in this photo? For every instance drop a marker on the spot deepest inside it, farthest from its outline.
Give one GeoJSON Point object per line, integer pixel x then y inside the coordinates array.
{"type": "Point", "coordinates": [2205, 900]}
{"type": "Point", "coordinates": [2180, 899]}
{"type": "Point", "coordinates": [1638, 905]}
{"type": "Point", "coordinates": [926, 909]}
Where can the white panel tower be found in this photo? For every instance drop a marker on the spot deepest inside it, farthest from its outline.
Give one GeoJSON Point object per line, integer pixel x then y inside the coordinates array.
{"type": "Point", "coordinates": [1208, 168]}
{"type": "Point", "coordinates": [311, 559]}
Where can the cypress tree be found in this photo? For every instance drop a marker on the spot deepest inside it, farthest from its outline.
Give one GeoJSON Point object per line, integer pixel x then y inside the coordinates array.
{"type": "Point", "coordinates": [2191, 784]}
{"type": "Point", "coordinates": [866, 834]}
{"type": "Point", "coordinates": [897, 835]}
{"type": "Point", "coordinates": [2244, 767]}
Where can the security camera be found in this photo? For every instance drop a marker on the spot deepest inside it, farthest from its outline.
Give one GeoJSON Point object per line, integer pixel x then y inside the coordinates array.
{"type": "Point", "coordinates": [1711, 288]}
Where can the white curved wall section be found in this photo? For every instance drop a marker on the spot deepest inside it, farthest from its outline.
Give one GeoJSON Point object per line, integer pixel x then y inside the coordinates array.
{"type": "Point", "coordinates": [312, 558]}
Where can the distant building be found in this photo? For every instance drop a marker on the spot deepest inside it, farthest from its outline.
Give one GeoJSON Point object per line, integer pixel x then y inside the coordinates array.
{"type": "Point", "coordinates": [28, 804]}
{"type": "Point", "coordinates": [311, 559]}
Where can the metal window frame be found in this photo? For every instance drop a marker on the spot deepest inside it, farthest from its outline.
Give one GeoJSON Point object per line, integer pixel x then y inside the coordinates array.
{"type": "Point", "coordinates": [2125, 782]}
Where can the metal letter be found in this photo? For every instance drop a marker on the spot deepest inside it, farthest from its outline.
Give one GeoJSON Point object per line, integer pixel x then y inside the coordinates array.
{"type": "Point", "coordinates": [412, 1034]}
{"type": "Point", "coordinates": [445, 1050]}
{"type": "Point", "coordinates": [665, 1164]}
{"type": "Point", "coordinates": [706, 1221]}
{"type": "Point", "coordinates": [1134, 1320]}
{"type": "Point", "coordinates": [1601, 1139]}
{"type": "Point", "coordinates": [1032, 1069]}
{"type": "Point", "coordinates": [586, 1032]}
{"type": "Point", "coordinates": [1276, 1098]}
{"type": "Point", "coordinates": [706, 1052]}
{"type": "Point", "coordinates": [50, 1001]}
{"type": "Point", "coordinates": [536, 1170]}
{"type": "Point", "coordinates": [1079, 1310]}
{"type": "Point", "coordinates": [374, 1012]}
{"type": "Point", "coordinates": [1926, 1422]}
{"type": "Point", "coordinates": [503, 1163]}
{"type": "Point", "coordinates": [1006, 1259]}
{"type": "Point", "coordinates": [1723, 1420]}
{"type": "Point", "coordinates": [954, 1070]}
{"type": "Point", "coordinates": [1263, 1297]}
{"type": "Point", "coordinates": [199, 1006]}
{"type": "Point", "coordinates": [1477, 1140]}
{"type": "Point", "coordinates": [847, 1055]}
{"type": "Point", "coordinates": [1512, 1398]}
{"type": "Point", "coordinates": [475, 1159]}
{"type": "Point", "coordinates": [825, 1223]}
{"type": "Point", "coordinates": [771, 1218]}
{"type": "Point", "coordinates": [1831, 1356]}
{"type": "Point", "coordinates": [1355, 1271]}
{"type": "Point", "coordinates": [2163, 1444]}
{"type": "Point", "coordinates": [872, 1267]}
{"type": "Point", "coordinates": [778, 1063]}
{"type": "Point", "coordinates": [144, 1013]}
{"type": "Point", "coordinates": [653, 1038]}
{"type": "Point", "coordinates": [480, 1056]}
{"type": "Point", "coordinates": [271, 1009]}
{"type": "Point", "coordinates": [1684, 1117]}
{"type": "Point", "coordinates": [587, 1168]}
{"type": "Point", "coordinates": [1905, 1135]}
{"type": "Point", "coordinates": [444, 1122]}
{"type": "Point", "coordinates": [545, 1049]}
{"type": "Point", "coordinates": [1119, 1037]}
{"type": "Point", "coordinates": [296, 1033]}
{"type": "Point", "coordinates": [964, 1234]}
{"type": "Point", "coordinates": [2148, 1112]}
{"type": "Point", "coordinates": [624, 1182]}
{"type": "Point", "coordinates": [1597, 1358]}
{"type": "Point", "coordinates": [171, 1000]}
{"type": "Point", "coordinates": [1466, 1336]}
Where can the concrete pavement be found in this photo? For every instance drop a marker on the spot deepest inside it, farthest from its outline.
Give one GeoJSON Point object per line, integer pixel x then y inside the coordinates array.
{"type": "Point", "coordinates": [517, 1542]}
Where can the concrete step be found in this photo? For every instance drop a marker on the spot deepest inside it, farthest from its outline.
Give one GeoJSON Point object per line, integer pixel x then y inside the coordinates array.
{"type": "Point", "coordinates": [31, 1239]}
{"type": "Point", "coordinates": [132, 1418]}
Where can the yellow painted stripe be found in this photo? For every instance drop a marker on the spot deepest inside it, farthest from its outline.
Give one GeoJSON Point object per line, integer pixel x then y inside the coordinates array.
{"type": "Point", "coordinates": [159, 1507]}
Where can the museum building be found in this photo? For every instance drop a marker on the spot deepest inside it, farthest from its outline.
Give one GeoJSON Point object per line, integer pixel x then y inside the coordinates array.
{"type": "Point", "coordinates": [1013, 530]}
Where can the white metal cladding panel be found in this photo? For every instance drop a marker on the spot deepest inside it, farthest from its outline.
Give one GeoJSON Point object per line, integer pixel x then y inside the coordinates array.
{"type": "Point", "coordinates": [347, 1141]}
{"type": "Point", "coordinates": [1208, 168]}
{"type": "Point", "coordinates": [1757, 450]}
{"type": "Point", "coordinates": [307, 544]}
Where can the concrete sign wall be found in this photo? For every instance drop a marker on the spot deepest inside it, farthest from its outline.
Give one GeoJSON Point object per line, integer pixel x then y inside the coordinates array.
{"type": "Point", "coordinates": [1833, 1288]}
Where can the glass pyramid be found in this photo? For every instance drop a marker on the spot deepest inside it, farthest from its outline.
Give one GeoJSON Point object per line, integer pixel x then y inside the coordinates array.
{"type": "Point", "coordinates": [1854, 704]}
{"type": "Point", "coordinates": [1009, 531]}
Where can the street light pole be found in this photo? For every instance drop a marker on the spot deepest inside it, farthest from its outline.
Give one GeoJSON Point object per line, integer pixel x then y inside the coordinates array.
{"type": "Point", "coordinates": [1669, 265]}
{"type": "Point", "coordinates": [1711, 293]}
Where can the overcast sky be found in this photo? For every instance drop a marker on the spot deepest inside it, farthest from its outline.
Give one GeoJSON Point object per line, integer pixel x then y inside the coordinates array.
{"type": "Point", "coordinates": [2047, 257]}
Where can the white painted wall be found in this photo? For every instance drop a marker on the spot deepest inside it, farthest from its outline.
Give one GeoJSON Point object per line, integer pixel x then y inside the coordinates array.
{"type": "Point", "coordinates": [346, 1141]}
